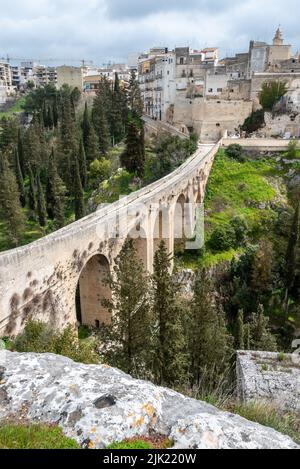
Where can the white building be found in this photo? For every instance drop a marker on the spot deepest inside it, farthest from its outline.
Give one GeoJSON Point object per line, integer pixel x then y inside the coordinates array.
{"type": "Point", "coordinates": [157, 78]}
{"type": "Point", "coordinates": [216, 83]}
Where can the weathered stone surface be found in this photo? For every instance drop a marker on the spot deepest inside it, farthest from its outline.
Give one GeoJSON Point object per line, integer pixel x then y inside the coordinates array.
{"type": "Point", "coordinates": [262, 376]}
{"type": "Point", "coordinates": [185, 279]}
{"type": "Point", "coordinates": [53, 389]}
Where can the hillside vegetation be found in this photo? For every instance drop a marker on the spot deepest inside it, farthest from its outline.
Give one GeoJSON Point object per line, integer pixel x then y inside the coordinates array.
{"type": "Point", "coordinates": [249, 191]}
{"type": "Point", "coordinates": [252, 238]}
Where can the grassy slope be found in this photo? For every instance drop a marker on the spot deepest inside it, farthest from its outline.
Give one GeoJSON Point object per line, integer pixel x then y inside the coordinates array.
{"type": "Point", "coordinates": [15, 109]}
{"type": "Point", "coordinates": [34, 437]}
{"type": "Point", "coordinates": [237, 189]}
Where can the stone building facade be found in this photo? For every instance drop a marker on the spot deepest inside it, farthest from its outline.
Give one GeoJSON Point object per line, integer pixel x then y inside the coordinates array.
{"type": "Point", "coordinates": [195, 90]}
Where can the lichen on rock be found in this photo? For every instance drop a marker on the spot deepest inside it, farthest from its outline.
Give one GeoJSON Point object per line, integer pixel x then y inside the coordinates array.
{"type": "Point", "coordinates": [97, 405]}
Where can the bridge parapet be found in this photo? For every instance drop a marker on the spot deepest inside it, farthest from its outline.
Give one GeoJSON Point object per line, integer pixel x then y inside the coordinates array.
{"type": "Point", "coordinates": [259, 144]}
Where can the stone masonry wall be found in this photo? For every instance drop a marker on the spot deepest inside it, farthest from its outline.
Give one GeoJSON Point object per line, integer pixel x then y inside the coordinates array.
{"type": "Point", "coordinates": [266, 376]}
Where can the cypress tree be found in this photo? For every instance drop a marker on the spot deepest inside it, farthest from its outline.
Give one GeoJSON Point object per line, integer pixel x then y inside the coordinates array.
{"type": "Point", "coordinates": [247, 330]}
{"type": "Point", "coordinates": [261, 337]}
{"type": "Point", "coordinates": [50, 117]}
{"type": "Point", "coordinates": [32, 194]}
{"type": "Point", "coordinates": [82, 164]}
{"type": "Point", "coordinates": [10, 207]}
{"type": "Point", "coordinates": [86, 127]}
{"type": "Point", "coordinates": [32, 147]}
{"type": "Point", "coordinates": [45, 115]}
{"type": "Point", "coordinates": [55, 112]}
{"type": "Point", "coordinates": [92, 152]}
{"type": "Point", "coordinates": [19, 178]}
{"type": "Point", "coordinates": [55, 194]}
{"type": "Point", "coordinates": [100, 123]}
{"type": "Point", "coordinates": [240, 336]}
{"type": "Point", "coordinates": [130, 332]}
{"type": "Point", "coordinates": [78, 193]}
{"type": "Point", "coordinates": [117, 124]}
{"type": "Point", "coordinates": [9, 133]}
{"type": "Point", "coordinates": [41, 203]}
{"type": "Point", "coordinates": [134, 96]}
{"type": "Point", "coordinates": [68, 142]}
{"type": "Point", "coordinates": [210, 343]}
{"type": "Point", "coordinates": [171, 361]}
{"type": "Point", "coordinates": [21, 153]}
{"type": "Point", "coordinates": [133, 158]}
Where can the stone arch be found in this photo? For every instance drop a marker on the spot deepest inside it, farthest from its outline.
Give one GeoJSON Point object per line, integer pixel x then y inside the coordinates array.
{"type": "Point", "coordinates": [92, 290]}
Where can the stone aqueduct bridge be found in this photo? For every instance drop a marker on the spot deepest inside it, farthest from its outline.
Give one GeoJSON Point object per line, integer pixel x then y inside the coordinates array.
{"type": "Point", "coordinates": [41, 280]}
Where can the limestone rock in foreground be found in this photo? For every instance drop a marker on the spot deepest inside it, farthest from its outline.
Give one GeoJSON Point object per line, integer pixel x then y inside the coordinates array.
{"type": "Point", "coordinates": [97, 405]}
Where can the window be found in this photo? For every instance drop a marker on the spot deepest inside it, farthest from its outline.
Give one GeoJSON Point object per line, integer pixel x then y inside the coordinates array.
{"type": "Point", "coordinates": [210, 90]}
{"type": "Point", "coordinates": [181, 60]}
{"type": "Point", "coordinates": [218, 125]}
{"type": "Point", "coordinates": [97, 324]}
{"type": "Point", "coordinates": [219, 90]}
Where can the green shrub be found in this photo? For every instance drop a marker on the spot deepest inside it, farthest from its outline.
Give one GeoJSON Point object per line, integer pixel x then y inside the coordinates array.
{"type": "Point", "coordinates": [38, 337]}
{"type": "Point", "coordinates": [134, 444]}
{"type": "Point", "coordinates": [34, 437]}
{"type": "Point", "coordinates": [223, 239]}
{"type": "Point", "coordinates": [84, 332]}
{"type": "Point", "coordinates": [292, 150]}
{"type": "Point", "coordinates": [254, 122]}
{"type": "Point", "coordinates": [241, 229]}
{"type": "Point", "coordinates": [236, 152]}
{"type": "Point", "coordinates": [100, 170]}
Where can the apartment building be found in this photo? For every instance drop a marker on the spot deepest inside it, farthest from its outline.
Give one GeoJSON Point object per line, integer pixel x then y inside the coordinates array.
{"type": "Point", "coordinates": [6, 76]}
{"type": "Point", "coordinates": [157, 78]}
{"type": "Point", "coordinates": [165, 76]}
{"type": "Point", "coordinates": [43, 75]}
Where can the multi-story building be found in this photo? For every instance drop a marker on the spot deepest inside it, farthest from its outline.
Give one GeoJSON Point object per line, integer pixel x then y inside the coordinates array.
{"type": "Point", "coordinates": [203, 93]}
{"type": "Point", "coordinates": [168, 76]}
{"type": "Point", "coordinates": [6, 76]}
{"type": "Point", "coordinates": [6, 85]}
{"type": "Point", "coordinates": [72, 76]}
{"type": "Point", "coordinates": [157, 80]}
{"type": "Point", "coordinates": [43, 75]}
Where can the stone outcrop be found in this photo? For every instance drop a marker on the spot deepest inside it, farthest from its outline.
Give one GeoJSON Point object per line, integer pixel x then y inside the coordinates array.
{"type": "Point", "coordinates": [96, 405]}
{"type": "Point", "coordinates": [270, 377]}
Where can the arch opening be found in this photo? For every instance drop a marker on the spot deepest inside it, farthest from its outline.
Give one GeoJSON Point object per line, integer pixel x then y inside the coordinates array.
{"type": "Point", "coordinates": [184, 223]}
{"type": "Point", "coordinates": [161, 230]}
{"type": "Point", "coordinates": [139, 239]}
{"type": "Point", "coordinates": [92, 290]}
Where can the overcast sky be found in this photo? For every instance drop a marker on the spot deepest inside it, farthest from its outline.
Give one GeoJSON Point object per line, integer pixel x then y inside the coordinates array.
{"type": "Point", "coordinates": [104, 30]}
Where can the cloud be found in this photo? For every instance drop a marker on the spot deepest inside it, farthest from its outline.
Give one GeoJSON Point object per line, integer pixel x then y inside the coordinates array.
{"type": "Point", "coordinates": [138, 8]}
{"type": "Point", "coordinates": [105, 30]}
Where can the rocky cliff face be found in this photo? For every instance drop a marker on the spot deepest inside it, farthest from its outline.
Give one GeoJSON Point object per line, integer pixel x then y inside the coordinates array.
{"type": "Point", "coordinates": [96, 405]}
